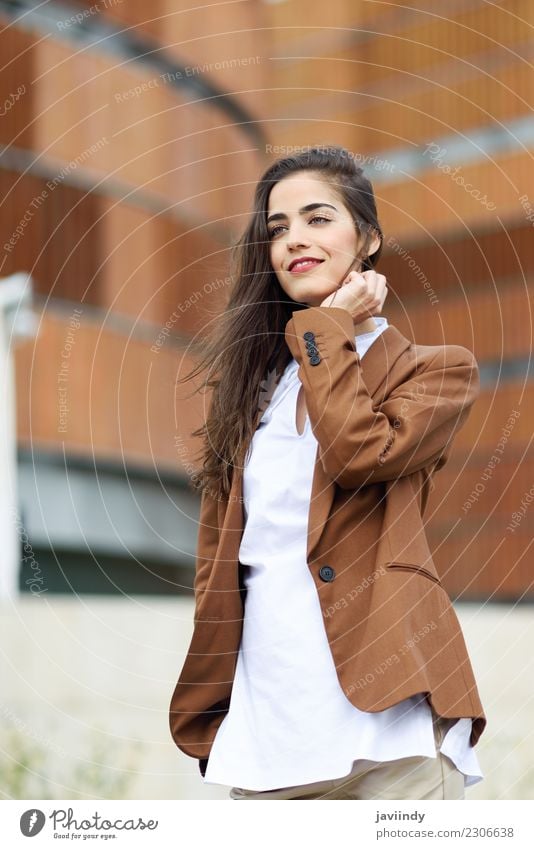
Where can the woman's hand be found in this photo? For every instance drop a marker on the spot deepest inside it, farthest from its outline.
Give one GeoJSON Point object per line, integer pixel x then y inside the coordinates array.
{"type": "Point", "coordinates": [362, 294]}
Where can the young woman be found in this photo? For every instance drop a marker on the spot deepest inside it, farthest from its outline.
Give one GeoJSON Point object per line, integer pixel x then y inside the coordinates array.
{"type": "Point", "coordinates": [326, 659]}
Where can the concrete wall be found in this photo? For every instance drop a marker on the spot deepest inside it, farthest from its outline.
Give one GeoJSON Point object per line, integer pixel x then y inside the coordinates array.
{"type": "Point", "coordinates": [87, 682]}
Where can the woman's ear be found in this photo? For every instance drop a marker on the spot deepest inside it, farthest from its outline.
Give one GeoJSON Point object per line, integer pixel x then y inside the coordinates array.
{"type": "Point", "coordinates": [375, 244]}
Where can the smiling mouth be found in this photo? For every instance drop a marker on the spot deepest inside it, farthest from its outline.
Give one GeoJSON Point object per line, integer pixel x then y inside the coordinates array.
{"type": "Point", "coordinates": [301, 267]}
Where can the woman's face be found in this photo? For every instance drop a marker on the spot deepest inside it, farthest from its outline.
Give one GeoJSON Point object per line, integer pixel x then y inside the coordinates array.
{"type": "Point", "coordinates": [326, 234]}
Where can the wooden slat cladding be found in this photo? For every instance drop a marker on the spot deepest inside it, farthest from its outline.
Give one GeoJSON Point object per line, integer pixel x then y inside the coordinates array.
{"type": "Point", "coordinates": [487, 564]}
{"type": "Point", "coordinates": [56, 235]}
{"type": "Point", "coordinates": [225, 42]}
{"type": "Point", "coordinates": [480, 511]}
{"type": "Point", "coordinates": [176, 174]}
{"type": "Point", "coordinates": [465, 317]}
{"type": "Point", "coordinates": [398, 112]}
{"type": "Point", "coordinates": [441, 202]}
{"type": "Point", "coordinates": [81, 246]}
{"type": "Point", "coordinates": [122, 400]}
{"type": "Point", "coordinates": [154, 270]}
{"type": "Point", "coordinates": [473, 291]}
{"type": "Point", "coordinates": [478, 259]}
{"type": "Point", "coordinates": [126, 123]}
{"type": "Point", "coordinates": [406, 74]}
{"type": "Point", "coordinates": [16, 86]}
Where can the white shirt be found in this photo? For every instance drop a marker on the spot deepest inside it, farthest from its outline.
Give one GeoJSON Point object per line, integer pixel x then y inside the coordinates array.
{"type": "Point", "coordinates": [289, 721]}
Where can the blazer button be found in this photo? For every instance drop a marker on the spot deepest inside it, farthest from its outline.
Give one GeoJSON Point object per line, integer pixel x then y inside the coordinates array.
{"type": "Point", "coordinates": [314, 360]}
{"type": "Point", "coordinates": [326, 573]}
{"type": "Point", "coordinates": [311, 348]}
{"type": "Point", "coordinates": [309, 335]}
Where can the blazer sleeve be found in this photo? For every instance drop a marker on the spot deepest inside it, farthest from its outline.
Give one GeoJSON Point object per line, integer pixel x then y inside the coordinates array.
{"type": "Point", "coordinates": [410, 429]}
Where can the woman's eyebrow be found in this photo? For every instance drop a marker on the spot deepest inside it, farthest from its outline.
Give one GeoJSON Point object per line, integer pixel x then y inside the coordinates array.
{"type": "Point", "coordinates": [307, 208]}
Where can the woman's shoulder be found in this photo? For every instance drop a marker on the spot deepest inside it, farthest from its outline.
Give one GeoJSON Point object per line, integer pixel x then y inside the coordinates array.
{"type": "Point", "coordinates": [442, 355]}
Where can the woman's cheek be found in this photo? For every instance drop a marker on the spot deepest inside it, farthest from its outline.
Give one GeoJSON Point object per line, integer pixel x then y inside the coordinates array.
{"type": "Point", "coordinates": [274, 261]}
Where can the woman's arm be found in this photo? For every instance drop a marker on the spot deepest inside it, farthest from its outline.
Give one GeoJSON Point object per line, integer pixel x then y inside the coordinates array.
{"type": "Point", "coordinates": [428, 402]}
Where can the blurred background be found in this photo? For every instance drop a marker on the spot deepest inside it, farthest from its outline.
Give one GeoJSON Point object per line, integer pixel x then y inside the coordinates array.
{"type": "Point", "coordinates": [131, 139]}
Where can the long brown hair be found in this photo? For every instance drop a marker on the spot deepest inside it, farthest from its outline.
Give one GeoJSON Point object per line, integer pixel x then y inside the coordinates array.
{"type": "Point", "coordinates": [247, 351]}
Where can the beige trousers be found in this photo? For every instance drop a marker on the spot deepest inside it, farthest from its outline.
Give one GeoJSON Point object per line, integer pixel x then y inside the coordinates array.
{"type": "Point", "coordinates": [405, 778]}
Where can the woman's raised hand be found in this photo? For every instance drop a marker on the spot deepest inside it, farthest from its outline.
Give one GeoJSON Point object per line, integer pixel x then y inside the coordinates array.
{"type": "Point", "coordinates": [362, 294]}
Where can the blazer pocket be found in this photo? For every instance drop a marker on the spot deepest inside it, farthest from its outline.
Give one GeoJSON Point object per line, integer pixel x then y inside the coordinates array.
{"type": "Point", "coordinates": [415, 568]}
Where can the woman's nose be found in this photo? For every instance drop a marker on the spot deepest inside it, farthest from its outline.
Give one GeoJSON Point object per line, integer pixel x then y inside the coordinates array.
{"type": "Point", "coordinates": [296, 240]}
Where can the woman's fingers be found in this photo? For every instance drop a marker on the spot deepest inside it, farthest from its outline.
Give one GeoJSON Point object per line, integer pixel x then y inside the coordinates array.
{"type": "Point", "coordinates": [362, 294]}
{"type": "Point", "coordinates": [376, 290]}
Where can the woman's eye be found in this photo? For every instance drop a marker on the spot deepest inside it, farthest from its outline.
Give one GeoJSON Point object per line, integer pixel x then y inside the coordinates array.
{"type": "Point", "coordinates": [274, 230]}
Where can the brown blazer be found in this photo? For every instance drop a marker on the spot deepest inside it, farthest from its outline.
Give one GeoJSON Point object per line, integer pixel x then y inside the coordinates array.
{"type": "Point", "coordinates": [383, 426]}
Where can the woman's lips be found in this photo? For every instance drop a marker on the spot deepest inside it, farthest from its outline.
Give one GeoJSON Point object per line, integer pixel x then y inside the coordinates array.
{"type": "Point", "coordinates": [301, 267]}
